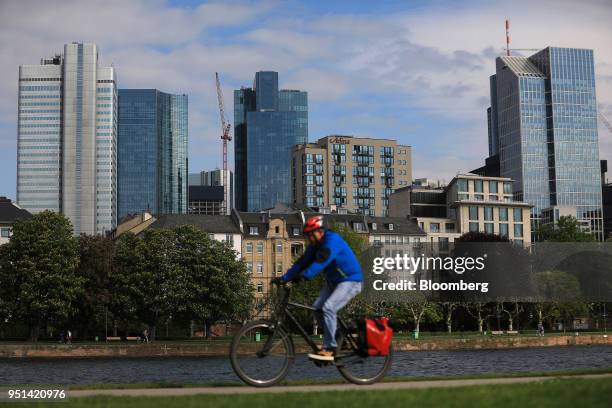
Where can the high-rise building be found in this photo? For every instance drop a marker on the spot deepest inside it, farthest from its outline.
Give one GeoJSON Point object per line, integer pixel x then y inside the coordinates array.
{"type": "Point", "coordinates": [214, 178]}
{"type": "Point", "coordinates": [544, 129]}
{"type": "Point", "coordinates": [67, 131]}
{"type": "Point", "coordinates": [267, 124]}
{"type": "Point", "coordinates": [353, 173]}
{"type": "Point", "coordinates": [152, 157]}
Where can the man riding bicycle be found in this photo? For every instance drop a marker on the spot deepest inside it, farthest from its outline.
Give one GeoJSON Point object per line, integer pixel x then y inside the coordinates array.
{"type": "Point", "coordinates": [328, 252]}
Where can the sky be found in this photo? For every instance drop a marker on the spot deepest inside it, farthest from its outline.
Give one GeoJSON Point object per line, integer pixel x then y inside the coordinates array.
{"type": "Point", "coordinates": [414, 71]}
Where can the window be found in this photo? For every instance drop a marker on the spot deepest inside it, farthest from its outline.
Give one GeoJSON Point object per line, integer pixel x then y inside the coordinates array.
{"type": "Point", "coordinates": [434, 227]}
{"type": "Point", "coordinates": [478, 186]}
{"type": "Point", "coordinates": [473, 227]}
{"type": "Point", "coordinates": [259, 268]}
{"type": "Point", "coordinates": [503, 214]}
{"type": "Point", "coordinates": [279, 247]}
{"type": "Point", "coordinates": [390, 227]}
{"type": "Point", "coordinates": [443, 243]}
{"type": "Point", "coordinates": [518, 230]}
{"type": "Point", "coordinates": [507, 187]}
{"type": "Point", "coordinates": [249, 247]}
{"type": "Point", "coordinates": [253, 230]}
{"type": "Point", "coordinates": [488, 227]}
{"type": "Point", "coordinates": [260, 247]}
{"type": "Point", "coordinates": [5, 232]}
{"type": "Point", "coordinates": [279, 268]}
{"type": "Point", "coordinates": [488, 213]}
{"type": "Point", "coordinates": [462, 185]}
{"type": "Point", "coordinates": [260, 287]}
{"type": "Point", "coordinates": [357, 226]}
{"type": "Point", "coordinates": [249, 267]}
{"type": "Point", "coordinates": [295, 231]}
{"type": "Point", "coordinates": [473, 213]}
{"type": "Point", "coordinates": [518, 214]}
{"type": "Point", "coordinates": [449, 227]}
{"type": "Point", "coordinates": [276, 229]}
{"type": "Point", "coordinates": [373, 226]}
{"type": "Point", "coordinates": [229, 238]}
{"type": "Point", "coordinates": [503, 230]}
{"type": "Point", "coordinates": [492, 187]}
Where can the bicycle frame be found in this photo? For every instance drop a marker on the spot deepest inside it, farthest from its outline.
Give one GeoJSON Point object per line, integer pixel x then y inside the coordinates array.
{"type": "Point", "coordinates": [286, 313]}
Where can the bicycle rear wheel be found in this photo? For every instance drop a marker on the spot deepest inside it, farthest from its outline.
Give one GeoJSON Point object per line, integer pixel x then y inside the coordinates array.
{"type": "Point", "coordinates": [256, 364]}
{"type": "Point", "coordinates": [361, 369]}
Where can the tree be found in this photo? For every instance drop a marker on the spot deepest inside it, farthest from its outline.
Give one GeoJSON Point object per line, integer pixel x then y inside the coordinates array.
{"type": "Point", "coordinates": [449, 308]}
{"type": "Point", "coordinates": [96, 262]}
{"type": "Point", "coordinates": [180, 274]}
{"type": "Point", "coordinates": [566, 230]}
{"type": "Point", "coordinates": [217, 284]}
{"type": "Point", "coordinates": [478, 311]}
{"type": "Point", "coordinates": [39, 271]}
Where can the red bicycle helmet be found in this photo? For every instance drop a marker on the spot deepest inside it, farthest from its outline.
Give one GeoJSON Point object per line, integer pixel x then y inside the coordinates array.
{"type": "Point", "coordinates": [313, 224]}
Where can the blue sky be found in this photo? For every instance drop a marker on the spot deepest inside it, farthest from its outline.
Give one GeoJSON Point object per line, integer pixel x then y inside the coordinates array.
{"type": "Point", "coordinates": [415, 71]}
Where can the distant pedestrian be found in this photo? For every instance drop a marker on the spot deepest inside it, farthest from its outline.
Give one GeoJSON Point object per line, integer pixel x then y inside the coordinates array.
{"type": "Point", "coordinates": [69, 337]}
{"type": "Point", "coordinates": [540, 329]}
{"type": "Point", "coordinates": [145, 336]}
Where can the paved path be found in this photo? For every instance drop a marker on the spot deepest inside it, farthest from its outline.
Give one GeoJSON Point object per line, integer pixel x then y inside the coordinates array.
{"type": "Point", "coordinates": [404, 385]}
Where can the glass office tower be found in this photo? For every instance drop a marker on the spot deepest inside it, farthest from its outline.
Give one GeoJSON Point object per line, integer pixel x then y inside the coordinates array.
{"type": "Point", "coordinates": [152, 157]}
{"type": "Point", "coordinates": [267, 124]}
{"type": "Point", "coordinates": [547, 132]}
{"type": "Point", "coordinates": [67, 129]}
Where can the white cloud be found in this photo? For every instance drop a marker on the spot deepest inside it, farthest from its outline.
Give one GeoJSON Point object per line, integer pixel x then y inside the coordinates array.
{"type": "Point", "coordinates": [372, 71]}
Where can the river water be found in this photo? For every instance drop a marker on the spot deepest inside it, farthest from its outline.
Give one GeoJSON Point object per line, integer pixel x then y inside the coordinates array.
{"type": "Point", "coordinates": [193, 370]}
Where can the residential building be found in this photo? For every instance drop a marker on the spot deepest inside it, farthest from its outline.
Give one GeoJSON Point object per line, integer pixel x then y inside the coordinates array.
{"type": "Point", "coordinates": [133, 223]}
{"type": "Point", "coordinates": [469, 203]}
{"type": "Point", "coordinates": [267, 124]}
{"type": "Point", "coordinates": [223, 228]}
{"type": "Point", "coordinates": [543, 120]}
{"type": "Point", "coordinates": [216, 178]}
{"type": "Point", "coordinates": [9, 214]}
{"type": "Point", "coordinates": [152, 153]}
{"type": "Point", "coordinates": [67, 132]}
{"type": "Point", "coordinates": [273, 238]}
{"type": "Point", "coordinates": [354, 173]}
{"type": "Point", "coordinates": [206, 200]}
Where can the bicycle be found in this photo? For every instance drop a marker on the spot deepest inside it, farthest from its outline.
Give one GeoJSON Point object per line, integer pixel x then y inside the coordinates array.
{"type": "Point", "coordinates": [262, 352]}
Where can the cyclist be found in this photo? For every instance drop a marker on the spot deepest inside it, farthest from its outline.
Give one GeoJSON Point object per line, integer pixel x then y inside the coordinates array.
{"type": "Point", "coordinates": [330, 253]}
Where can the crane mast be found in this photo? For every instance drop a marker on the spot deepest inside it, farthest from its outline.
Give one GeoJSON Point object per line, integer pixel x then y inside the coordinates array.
{"type": "Point", "coordinates": [225, 137]}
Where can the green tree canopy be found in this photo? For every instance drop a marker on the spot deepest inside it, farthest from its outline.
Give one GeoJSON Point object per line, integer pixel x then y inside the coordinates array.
{"type": "Point", "coordinates": [39, 271]}
{"type": "Point", "coordinates": [566, 230]}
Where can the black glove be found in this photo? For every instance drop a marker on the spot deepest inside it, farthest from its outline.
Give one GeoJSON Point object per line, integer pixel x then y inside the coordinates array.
{"type": "Point", "coordinates": [297, 278]}
{"type": "Point", "coordinates": [277, 281]}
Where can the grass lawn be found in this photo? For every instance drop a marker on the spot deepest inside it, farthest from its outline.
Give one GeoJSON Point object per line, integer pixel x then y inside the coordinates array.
{"type": "Point", "coordinates": [551, 393]}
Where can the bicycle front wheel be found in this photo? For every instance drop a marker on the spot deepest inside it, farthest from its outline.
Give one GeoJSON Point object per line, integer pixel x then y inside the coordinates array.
{"type": "Point", "coordinates": [361, 369]}
{"type": "Point", "coordinates": [261, 354]}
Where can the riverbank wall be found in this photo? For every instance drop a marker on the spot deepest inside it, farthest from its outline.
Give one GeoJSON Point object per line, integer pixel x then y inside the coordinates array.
{"type": "Point", "coordinates": [220, 349]}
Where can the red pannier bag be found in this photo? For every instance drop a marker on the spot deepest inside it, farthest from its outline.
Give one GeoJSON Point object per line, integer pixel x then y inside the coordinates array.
{"type": "Point", "coordinates": [378, 336]}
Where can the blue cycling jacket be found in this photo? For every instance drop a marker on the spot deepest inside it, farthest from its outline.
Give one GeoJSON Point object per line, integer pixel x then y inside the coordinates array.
{"type": "Point", "coordinates": [333, 255]}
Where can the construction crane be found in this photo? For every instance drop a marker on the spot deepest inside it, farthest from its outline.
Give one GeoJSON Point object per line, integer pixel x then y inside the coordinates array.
{"type": "Point", "coordinates": [225, 136]}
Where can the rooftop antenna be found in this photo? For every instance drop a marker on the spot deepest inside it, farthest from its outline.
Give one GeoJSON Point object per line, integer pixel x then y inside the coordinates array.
{"type": "Point", "coordinates": [507, 37]}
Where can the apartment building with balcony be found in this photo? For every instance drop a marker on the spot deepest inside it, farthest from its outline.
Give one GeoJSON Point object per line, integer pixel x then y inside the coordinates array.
{"type": "Point", "coordinates": [352, 173]}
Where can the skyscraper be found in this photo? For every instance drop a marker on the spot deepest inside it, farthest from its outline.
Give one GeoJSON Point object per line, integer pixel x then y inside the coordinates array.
{"type": "Point", "coordinates": [152, 157]}
{"type": "Point", "coordinates": [67, 127]}
{"type": "Point", "coordinates": [267, 124]}
{"type": "Point", "coordinates": [544, 129]}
